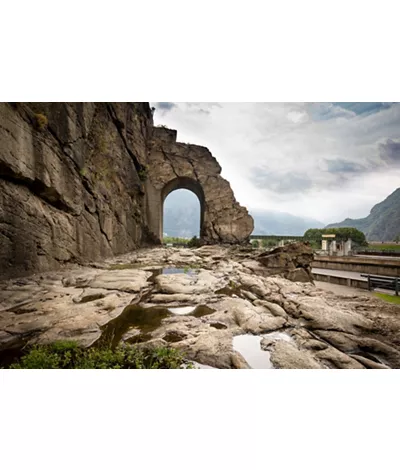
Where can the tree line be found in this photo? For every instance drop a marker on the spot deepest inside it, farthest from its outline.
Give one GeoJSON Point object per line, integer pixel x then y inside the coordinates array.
{"type": "Point", "coordinates": [342, 234]}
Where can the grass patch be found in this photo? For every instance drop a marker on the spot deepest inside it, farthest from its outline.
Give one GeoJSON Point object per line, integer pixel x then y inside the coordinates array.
{"type": "Point", "coordinates": [384, 247]}
{"type": "Point", "coordinates": [68, 355]}
{"type": "Point", "coordinates": [393, 299]}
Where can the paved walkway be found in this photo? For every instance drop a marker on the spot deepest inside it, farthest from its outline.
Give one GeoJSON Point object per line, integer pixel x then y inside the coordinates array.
{"type": "Point", "coordinates": [341, 290]}
{"type": "Point", "coordinates": [338, 273]}
{"type": "Point", "coordinates": [393, 258]}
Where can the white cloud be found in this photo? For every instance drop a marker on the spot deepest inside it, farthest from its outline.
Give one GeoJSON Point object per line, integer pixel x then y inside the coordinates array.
{"type": "Point", "coordinates": [314, 160]}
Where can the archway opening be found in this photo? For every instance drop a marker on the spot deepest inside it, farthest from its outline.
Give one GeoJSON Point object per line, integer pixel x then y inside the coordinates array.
{"type": "Point", "coordinates": [182, 216]}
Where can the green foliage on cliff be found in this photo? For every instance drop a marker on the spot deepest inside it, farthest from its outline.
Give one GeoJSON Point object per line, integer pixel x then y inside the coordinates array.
{"type": "Point", "coordinates": [342, 233]}
{"type": "Point", "coordinates": [68, 355]}
{"type": "Point", "coordinates": [40, 121]}
{"type": "Point", "coordinates": [142, 173]}
{"type": "Point", "coordinates": [382, 224]}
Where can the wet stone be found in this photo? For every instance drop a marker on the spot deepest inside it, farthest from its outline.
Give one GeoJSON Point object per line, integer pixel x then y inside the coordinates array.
{"type": "Point", "coordinates": [218, 325]}
{"type": "Point", "coordinates": [139, 338]}
{"type": "Point", "coordinates": [174, 336]}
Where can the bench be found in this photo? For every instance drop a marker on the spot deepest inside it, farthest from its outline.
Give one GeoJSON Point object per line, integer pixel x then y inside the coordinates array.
{"type": "Point", "coordinates": [383, 282]}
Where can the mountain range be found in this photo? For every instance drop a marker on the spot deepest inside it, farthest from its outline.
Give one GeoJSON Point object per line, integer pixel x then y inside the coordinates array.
{"type": "Point", "coordinates": [383, 222]}
{"type": "Point", "coordinates": [182, 218]}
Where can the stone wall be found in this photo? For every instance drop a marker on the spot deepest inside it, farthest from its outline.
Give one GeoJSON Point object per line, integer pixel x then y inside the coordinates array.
{"type": "Point", "coordinates": [367, 265]}
{"type": "Point", "coordinates": [69, 184]}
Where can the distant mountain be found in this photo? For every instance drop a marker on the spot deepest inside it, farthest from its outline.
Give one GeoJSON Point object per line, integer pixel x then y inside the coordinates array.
{"type": "Point", "coordinates": [281, 223]}
{"type": "Point", "coordinates": [182, 219]}
{"type": "Point", "coordinates": [383, 222]}
{"type": "Point", "coordinates": [183, 222]}
{"type": "Point", "coordinates": [181, 215]}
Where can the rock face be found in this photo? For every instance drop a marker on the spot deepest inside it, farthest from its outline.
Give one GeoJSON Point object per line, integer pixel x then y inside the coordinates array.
{"type": "Point", "coordinates": [174, 165]}
{"type": "Point", "coordinates": [69, 184]}
{"type": "Point", "coordinates": [83, 181]}
{"type": "Point", "coordinates": [293, 261]}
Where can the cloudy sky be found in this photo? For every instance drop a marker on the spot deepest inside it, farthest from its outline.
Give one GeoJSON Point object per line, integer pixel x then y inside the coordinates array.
{"type": "Point", "coordinates": [327, 161]}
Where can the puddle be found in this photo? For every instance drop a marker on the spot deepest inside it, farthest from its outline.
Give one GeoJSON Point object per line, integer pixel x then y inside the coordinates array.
{"type": "Point", "coordinates": [146, 319]}
{"type": "Point", "coordinates": [182, 310]}
{"type": "Point", "coordinates": [188, 271]}
{"type": "Point", "coordinates": [194, 311]}
{"type": "Point", "coordinates": [172, 270]}
{"type": "Point", "coordinates": [134, 316]}
{"type": "Point", "coordinates": [249, 347]}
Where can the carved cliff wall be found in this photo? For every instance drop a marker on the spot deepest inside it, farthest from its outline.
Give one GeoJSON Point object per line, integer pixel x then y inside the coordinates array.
{"type": "Point", "coordinates": [69, 184]}
{"type": "Point", "coordinates": [84, 181]}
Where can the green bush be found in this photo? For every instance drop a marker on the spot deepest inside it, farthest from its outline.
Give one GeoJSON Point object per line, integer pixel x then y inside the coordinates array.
{"type": "Point", "coordinates": [271, 243]}
{"type": "Point", "coordinates": [143, 173]}
{"type": "Point", "coordinates": [40, 121]}
{"type": "Point", "coordinates": [68, 355]}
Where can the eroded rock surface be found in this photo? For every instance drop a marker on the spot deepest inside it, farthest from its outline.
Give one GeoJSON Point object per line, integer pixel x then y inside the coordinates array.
{"type": "Point", "coordinates": [292, 260]}
{"type": "Point", "coordinates": [211, 295]}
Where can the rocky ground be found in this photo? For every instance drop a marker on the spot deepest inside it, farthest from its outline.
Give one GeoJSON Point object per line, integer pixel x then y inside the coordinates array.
{"type": "Point", "coordinates": [223, 309]}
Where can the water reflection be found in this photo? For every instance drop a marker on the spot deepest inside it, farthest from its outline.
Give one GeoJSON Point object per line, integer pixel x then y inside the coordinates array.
{"type": "Point", "coordinates": [146, 320]}
{"type": "Point", "coordinates": [249, 347]}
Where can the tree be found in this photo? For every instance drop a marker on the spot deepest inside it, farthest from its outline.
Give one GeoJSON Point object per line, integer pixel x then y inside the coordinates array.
{"type": "Point", "coordinates": [194, 242]}
{"type": "Point", "coordinates": [269, 243]}
{"type": "Point", "coordinates": [342, 234]}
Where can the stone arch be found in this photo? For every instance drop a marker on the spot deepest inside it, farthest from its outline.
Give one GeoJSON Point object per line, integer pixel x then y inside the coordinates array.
{"type": "Point", "coordinates": [183, 182]}
{"type": "Point", "coordinates": [175, 165]}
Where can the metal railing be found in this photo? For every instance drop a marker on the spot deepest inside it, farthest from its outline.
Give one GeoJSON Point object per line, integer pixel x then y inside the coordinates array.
{"type": "Point", "coordinates": [383, 282]}
{"type": "Point", "coordinates": [276, 237]}
{"type": "Point", "coordinates": [377, 251]}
